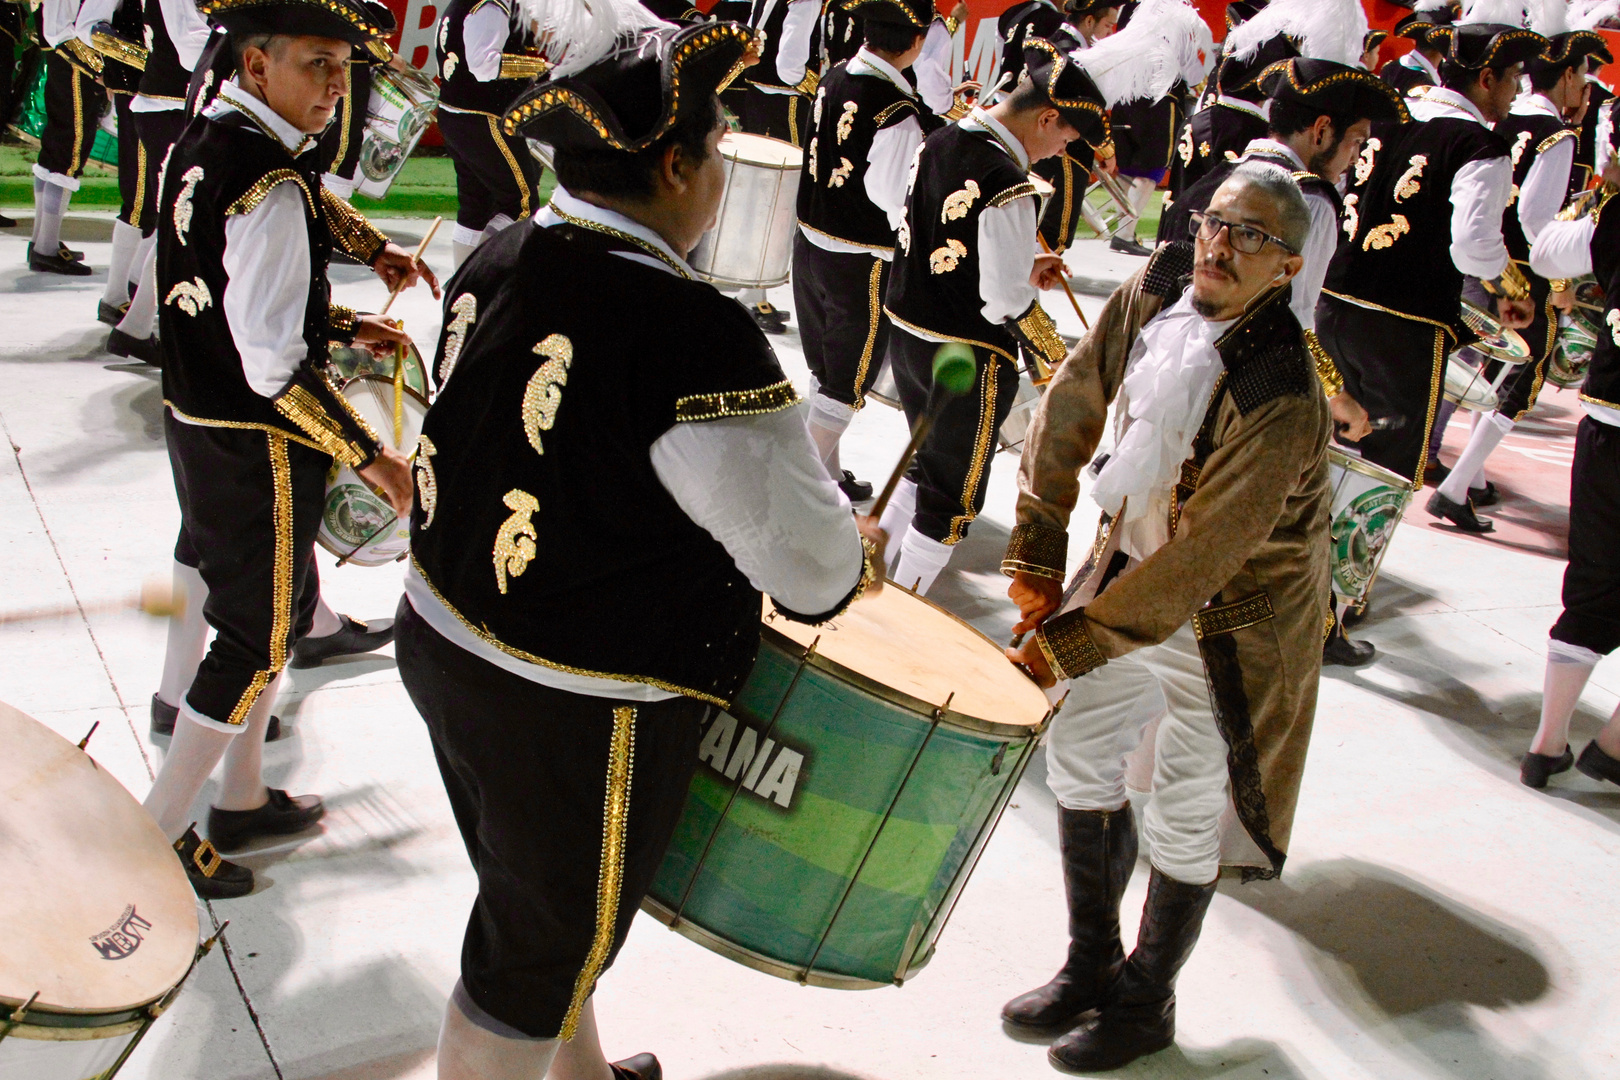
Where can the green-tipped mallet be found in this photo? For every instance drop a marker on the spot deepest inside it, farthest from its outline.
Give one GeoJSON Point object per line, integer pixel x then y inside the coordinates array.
{"type": "Point", "coordinates": [955, 370]}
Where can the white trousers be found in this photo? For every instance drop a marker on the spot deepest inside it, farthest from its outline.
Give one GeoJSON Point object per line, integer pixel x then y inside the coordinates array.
{"type": "Point", "coordinates": [1102, 724]}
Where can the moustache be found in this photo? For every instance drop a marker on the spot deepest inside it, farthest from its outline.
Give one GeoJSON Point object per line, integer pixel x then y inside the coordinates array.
{"type": "Point", "coordinates": [1217, 265]}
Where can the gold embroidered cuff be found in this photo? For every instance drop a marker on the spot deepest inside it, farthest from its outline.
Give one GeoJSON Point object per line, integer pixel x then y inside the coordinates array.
{"type": "Point", "coordinates": [1326, 369]}
{"type": "Point", "coordinates": [1038, 549]}
{"type": "Point", "coordinates": [1559, 284]}
{"type": "Point", "coordinates": [767, 399]}
{"type": "Point", "coordinates": [81, 56]}
{"type": "Point", "coordinates": [807, 85]}
{"type": "Point", "coordinates": [343, 321]}
{"type": "Point", "coordinates": [1067, 646]}
{"type": "Point", "coordinates": [952, 23]}
{"type": "Point", "coordinates": [304, 409]}
{"type": "Point", "coordinates": [1511, 283]}
{"type": "Point", "coordinates": [1039, 333]}
{"type": "Point", "coordinates": [379, 48]}
{"type": "Point", "coordinates": [1106, 150]}
{"type": "Point", "coordinates": [523, 66]}
{"type": "Point", "coordinates": [961, 105]}
{"type": "Point", "coordinates": [350, 229]}
{"type": "Point", "coordinates": [1230, 618]}
{"type": "Point", "coordinates": [125, 52]}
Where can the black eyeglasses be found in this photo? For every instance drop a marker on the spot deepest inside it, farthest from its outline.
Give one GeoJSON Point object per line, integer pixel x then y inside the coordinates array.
{"type": "Point", "coordinates": [1243, 238]}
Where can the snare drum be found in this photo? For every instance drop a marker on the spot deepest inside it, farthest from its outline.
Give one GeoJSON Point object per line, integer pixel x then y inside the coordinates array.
{"type": "Point", "coordinates": [400, 108]}
{"type": "Point", "coordinates": [1578, 334]}
{"type": "Point", "coordinates": [1468, 388]}
{"type": "Point", "coordinates": [352, 361]}
{"type": "Point", "coordinates": [357, 524]}
{"type": "Point", "coordinates": [102, 921]}
{"type": "Point", "coordinates": [1368, 501]}
{"type": "Point", "coordinates": [751, 244]}
{"type": "Point", "coordinates": [841, 804]}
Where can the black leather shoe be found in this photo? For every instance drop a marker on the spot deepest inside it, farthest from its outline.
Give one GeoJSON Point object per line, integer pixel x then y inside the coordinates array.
{"type": "Point", "coordinates": [1098, 851]}
{"type": "Point", "coordinates": [856, 490]}
{"type": "Point", "coordinates": [1536, 768]}
{"type": "Point", "coordinates": [640, 1067]}
{"type": "Point", "coordinates": [1435, 474]}
{"type": "Point", "coordinates": [68, 253]}
{"type": "Point", "coordinates": [771, 319]}
{"type": "Point", "coordinates": [1599, 765]}
{"type": "Point", "coordinates": [1353, 617]}
{"type": "Point", "coordinates": [1459, 514]}
{"type": "Point", "coordinates": [111, 314]}
{"type": "Point", "coordinates": [56, 264]}
{"type": "Point", "coordinates": [1485, 496]}
{"type": "Point", "coordinates": [349, 639]}
{"type": "Point", "coordinates": [1128, 245]}
{"type": "Point", "coordinates": [164, 715]}
{"type": "Point", "coordinates": [212, 877]}
{"type": "Point", "coordinates": [281, 815]}
{"type": "Point", "coordinates": [1340, 651]}
{"type": "Point", "coordinates": [145, 350]}
{"type": "Point", "coordinates": [1140, 1017]}
{"type": "Point", "coordinates": [7, 222]}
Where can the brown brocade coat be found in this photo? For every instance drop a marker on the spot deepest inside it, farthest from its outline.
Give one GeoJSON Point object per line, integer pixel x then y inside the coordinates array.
{"type": "Point", "coordinates": [1248, 559]}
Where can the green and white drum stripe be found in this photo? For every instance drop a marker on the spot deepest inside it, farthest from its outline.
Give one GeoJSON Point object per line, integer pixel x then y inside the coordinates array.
{"type": "Point", "coordinates": [1368, 501]}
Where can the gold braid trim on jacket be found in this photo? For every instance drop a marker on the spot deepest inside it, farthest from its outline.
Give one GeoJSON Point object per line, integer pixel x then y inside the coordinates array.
{"type": "Point", "coordinates": [354, 234]}
{"type": "Point", "coordinates": [1067, 646]}
{"type": "Point", "coordinates": [1326, 369]}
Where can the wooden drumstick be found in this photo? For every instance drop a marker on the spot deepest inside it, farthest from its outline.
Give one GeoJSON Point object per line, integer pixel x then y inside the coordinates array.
{"type": "Point", "coordinates": [157, 597]}
{"type": "Point", "coordinates": [954, 371]}
{"type": "Point", "coordinates": [416, 258]}
{"type": "Point", "coordinates": [1064, 281]}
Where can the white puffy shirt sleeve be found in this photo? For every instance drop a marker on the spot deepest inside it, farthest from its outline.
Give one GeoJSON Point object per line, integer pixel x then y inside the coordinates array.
{"type": "Point", "coordinates": [483, 32]}
{"type": "Point", "coordinates": [798, 28]}
{"type": "Point", "coordinates": [1319, 249]}
{"type": "Point", "coordinates": [187, 29]}
{"type": "Point", "coordinates": [932, 69]}
{"type": "Point", "coordinates": [1564, 248]}
{"type": "Point", "coordinates": [92, 12]}
{"type": "Point", "coordinates": [1479, 195]}
{"type": "Point", "coordinates": [756, 484]}
{"type": "Point", "coordinates": [1541, 195]}
{"type": "Point", "coordinates": [888, 167]}
{"type": "Point", "coordinates": [267, 291]}
{"type": "Point", "coordinates": [1006, 258]}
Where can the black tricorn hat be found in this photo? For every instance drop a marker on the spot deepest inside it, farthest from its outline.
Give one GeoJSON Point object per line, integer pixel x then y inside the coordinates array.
{"type": "Point", "coordinates": [1477, 46]}
{"type": "Point", "coordinates": [1568, 49]}
{"type": "Point", "coordinates": [1373, 37]}
{"type": "Point", "coordinates": [1429, 29]}
{"type": "Point", "coordinates": [354, 21]}
{"type": "Point", "coordinates": [1241, 78]}
{"type": "Point", "coordinates": [1336, 89]}
{"type": "Point", "coordinates": [1077, 98]}
{"type": "Point", "coordinates": [631, 98]}
{"type": "Point", "coordinates": [1239, 12]}
{"type": "Point", "coordinates": [913, 13]}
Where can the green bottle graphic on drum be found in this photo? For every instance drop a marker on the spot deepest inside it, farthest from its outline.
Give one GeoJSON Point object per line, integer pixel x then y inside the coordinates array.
{"type": "Point", "coordinates": [1368, 502]}
{"type": "Point", "coordinates": [840, 805]}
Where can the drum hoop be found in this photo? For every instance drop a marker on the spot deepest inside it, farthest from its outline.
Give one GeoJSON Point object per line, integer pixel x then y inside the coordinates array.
{"type": "Point", "coordinates": [738, 158]}
{"type": "Point", "coordinates": [389, 381]}
{"type": "Point", "coordinates": [749, 958]}
{"type": "Point", "coordinates": [926, 709]}
{"type": "Point", "coordinates": [1368, 469]}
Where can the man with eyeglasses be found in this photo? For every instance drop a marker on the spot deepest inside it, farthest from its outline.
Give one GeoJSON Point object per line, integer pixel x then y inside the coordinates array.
{"type": "Point", "coordinates": [1208, 582]}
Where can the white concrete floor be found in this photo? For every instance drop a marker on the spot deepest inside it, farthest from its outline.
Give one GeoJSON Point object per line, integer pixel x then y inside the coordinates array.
{"type": "Point", "coordinates": [1436, 918]}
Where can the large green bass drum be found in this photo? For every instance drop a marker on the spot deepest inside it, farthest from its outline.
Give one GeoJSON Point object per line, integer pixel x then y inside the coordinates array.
{"type": "Point", "coordinates": [841, 804]}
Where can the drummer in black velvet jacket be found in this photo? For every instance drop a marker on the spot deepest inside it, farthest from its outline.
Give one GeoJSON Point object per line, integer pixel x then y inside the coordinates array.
{"type": "Point", "coordinates": [601, 501]}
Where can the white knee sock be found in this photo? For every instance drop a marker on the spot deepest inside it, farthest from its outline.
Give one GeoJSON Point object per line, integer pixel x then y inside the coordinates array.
{"type": "Point", "coordinates": [750, 297]}
{"type": "Point", "coordinates": [242, 785]}
{"type": "Point", "coordinates": [896, 519]}
{"type": "Point", "coordinates": [39, 199]}
{"type": "Point", "coordinates": [139, 320]}
{"type": "Point", "coordinates": [188, 636]}
{"type": "Point", "coordinates": [193, 753]}
{"type": "Point", "coordinates": [133, 271]}
{"type": "Point", "coordinates": [50, 206]}
{"type": "Point", "coordinates": [472, 1051]}
{"type": "Point", "coordinates": [827, 423]}
{"type": "Point", "coordinates": [496, 224]}
{"type": "Point", "coordinates": [126, 242]}
{"type": "Point", "coordinates": [581, 1057]}
{"type": "Point", "coordinates": [1568, 669]}
{"type": "Point", "coordinates": [326, 621]}
{"type": "Point", "coordinates": [1488, 432]}
{"type": "Point", "coordinates": [919, 563]}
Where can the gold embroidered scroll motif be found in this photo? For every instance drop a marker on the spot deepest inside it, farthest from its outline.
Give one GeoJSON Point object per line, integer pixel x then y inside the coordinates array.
{"type": "Point", "coordinates": [1519, 144]}
{"type": "Point", "coordinates": [943, 260]}
{"type": "Point", "coordinates": [182, 202]}
{"type": "Point", "coordinates": [958, 203]}
{"type": "Point", "coordinates": [840, 174]}
{"type": "Point", "coordinates": [463, 312]}
{"type": "Point", "coordinates": [190, 296]}
{"type": "Point", "coordinates": [427, 485]}
{"type": "Point", "coordinates": [1364, 163]}
{"type": "Point", "coordinates": [514, 541]}
{"type": "Point", "coordinates": [1385, 235]}
{"type": "Point", "coordinates": [1408, 185]}
{"type": "Point", "coordinates": [846, 121]}
{"type": "Point", "coordinates": [1352, 216]}
{"type": "Point", "coordinates": [813, 174]}
{"type": "Point", "coordinates": [544, 392]}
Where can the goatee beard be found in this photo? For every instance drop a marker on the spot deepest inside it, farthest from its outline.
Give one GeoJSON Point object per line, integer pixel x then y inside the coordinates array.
{"type": "Point", "coordinates": [1207, 308]}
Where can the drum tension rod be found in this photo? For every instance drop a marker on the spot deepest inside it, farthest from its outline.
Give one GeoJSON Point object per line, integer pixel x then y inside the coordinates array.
{"type": "Point", "coordinates": [86, 740]}
{"type": "Point", "coordinates": [19, 1014]}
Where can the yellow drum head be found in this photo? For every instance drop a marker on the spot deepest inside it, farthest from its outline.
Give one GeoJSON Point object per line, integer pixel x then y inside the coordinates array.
{"type": "Point", "coordinates": [100, 916]}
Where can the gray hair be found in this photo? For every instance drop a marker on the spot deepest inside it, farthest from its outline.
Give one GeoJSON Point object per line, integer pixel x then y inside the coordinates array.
{"type": "Point", "coordinates": [1277, 184]}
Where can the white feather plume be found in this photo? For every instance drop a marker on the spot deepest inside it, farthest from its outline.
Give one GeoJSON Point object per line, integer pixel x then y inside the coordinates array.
{"type": "Point", "coordinates": [1166, 40]}
{"type": "Point", "coordinates": [1508, 12]}
{"type": "Point", "coordinates": [1549, 17]}
{"type": "Point", "coordinates": [1587, 14]}
{"type": "Point", "coordinates": [574, 34]}
{"type": "Point", "coordinates": [1325, 29]}
{"type": "Point", "coordinates": [1432, 5]}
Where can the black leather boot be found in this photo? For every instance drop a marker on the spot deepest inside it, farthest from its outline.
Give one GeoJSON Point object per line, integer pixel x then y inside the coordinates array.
{"type": "Point", "coordinates": [1099, 851]}
{"type": "Point", "coordinates": [1140, 1018]}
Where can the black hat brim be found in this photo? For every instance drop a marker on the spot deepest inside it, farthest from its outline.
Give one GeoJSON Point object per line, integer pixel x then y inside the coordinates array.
{"type": "Point", "coordinates": [894, 12]}
{"type": "Point", "coordinates": [1335, 89]}
{"type": "Point", "coordinates": [1477, 46]}
{"type": "Point", "coordinates": [340, 20]}
{"type": "Point", "coordinates": [1069, 88]}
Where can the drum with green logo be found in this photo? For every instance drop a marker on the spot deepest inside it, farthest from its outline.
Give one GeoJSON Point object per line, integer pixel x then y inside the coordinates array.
{"type": "Point", "coordinates": [357, 524]}
{"type": "Point", "coordinates": [1572, 352]}
{"type": "Point", "coordinates": [1368, 501]}
{"type": "Point", "coordinates": [841, 804]}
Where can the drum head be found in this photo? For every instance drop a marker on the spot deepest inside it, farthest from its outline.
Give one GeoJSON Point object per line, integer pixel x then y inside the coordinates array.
{"type": "Point", "coordinates": [100, 914]}
{"type": "Point", "coordinates": [761, 150]}
{"type": "Point", "coordinates": [351, 362]}
{"type": "Point", "coordinates": [1495, 340]}
{"type": "Point", "coordinates": [902, 642]}
{"type": "Point", "coordinates": [1361, 465]}
{"type": "Point", "coordinates": [1468, 387]}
